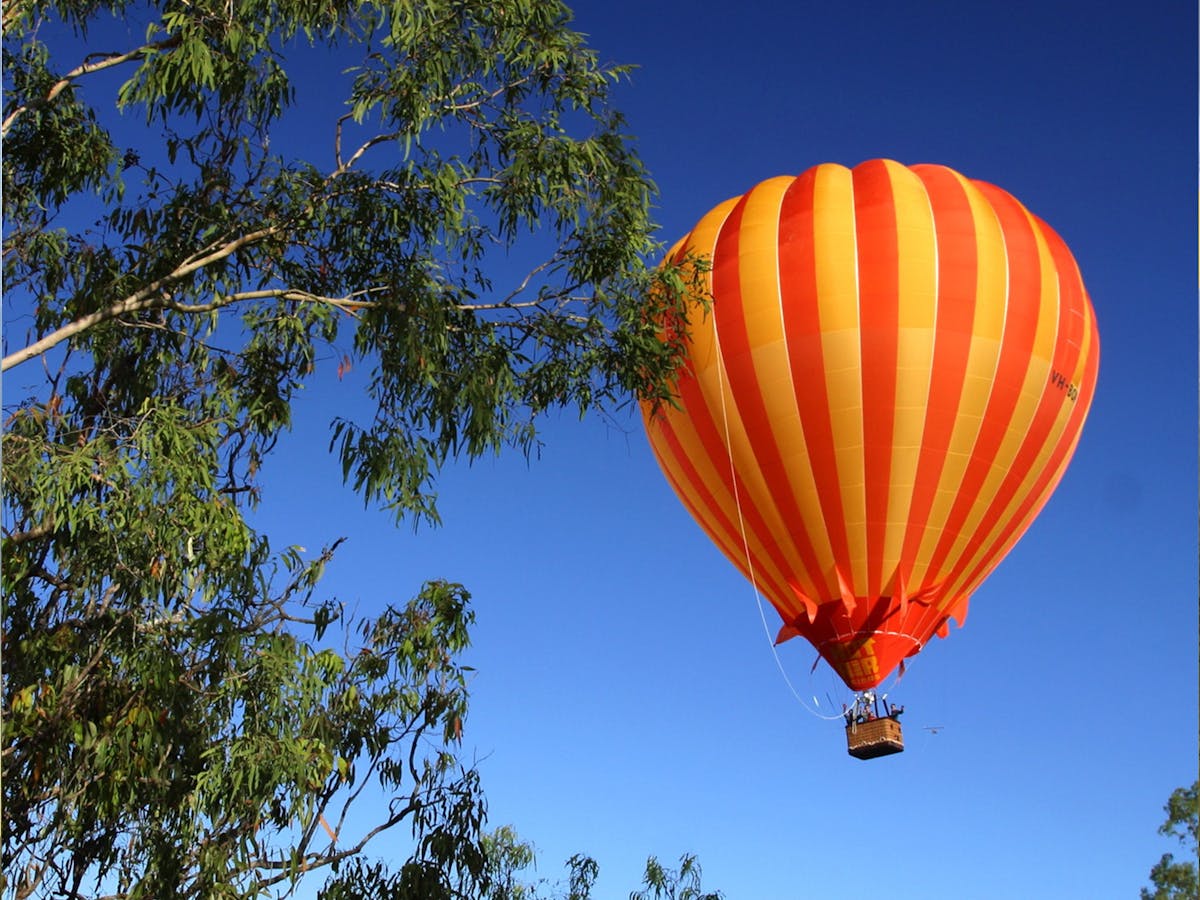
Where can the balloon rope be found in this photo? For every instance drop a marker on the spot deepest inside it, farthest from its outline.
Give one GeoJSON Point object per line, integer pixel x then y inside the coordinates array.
{"type": "Point", "coordinates": [737, 499]}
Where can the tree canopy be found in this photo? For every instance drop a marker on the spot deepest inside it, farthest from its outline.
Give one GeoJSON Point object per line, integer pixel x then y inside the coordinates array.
{"type": "Point", "coordinates": [1174, 880]}
{"type": "Point", "coordinates": [192, 235]}
{"type": "Point", "coordinates": [508, 857]}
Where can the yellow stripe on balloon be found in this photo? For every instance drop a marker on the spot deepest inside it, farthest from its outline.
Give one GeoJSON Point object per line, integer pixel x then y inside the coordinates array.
{"type": "Point", "coordinates": [837, 309]}
{"type": "Point", "coordinates": [1052, 444]}
{"type": "Point", "coordinates": [1037, 374]}
{"type": "Point", "coordinates": [917, 312]}
{"type": "Point", "coordinates": [991, 299]}
{"type": "Point", "coordinates": [765, 333]}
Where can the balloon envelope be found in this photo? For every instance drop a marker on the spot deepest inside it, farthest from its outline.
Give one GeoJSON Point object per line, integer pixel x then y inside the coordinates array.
{"type": "Point", "coordinates": [889, 384]}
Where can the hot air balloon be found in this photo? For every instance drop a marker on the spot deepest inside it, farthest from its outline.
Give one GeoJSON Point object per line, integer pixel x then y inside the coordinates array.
{"type": "Point", "coordinates": [886, 388]}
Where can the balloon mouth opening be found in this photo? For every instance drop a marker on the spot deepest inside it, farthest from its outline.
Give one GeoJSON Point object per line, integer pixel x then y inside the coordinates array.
{"type": "Point", "coordinates": [863, 659]}
{"type": "Point", "coordinates": [864, 639]}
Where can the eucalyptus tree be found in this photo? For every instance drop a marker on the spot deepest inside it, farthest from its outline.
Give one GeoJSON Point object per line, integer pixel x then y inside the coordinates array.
{"type": "Point", "coordinates": [192, 233]}
{"type": "Point", "coordinates": [1178, 879]}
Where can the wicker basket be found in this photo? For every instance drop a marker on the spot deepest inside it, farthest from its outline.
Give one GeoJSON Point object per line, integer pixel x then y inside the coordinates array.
{"type": "Point", "coordinates": [876, 737]}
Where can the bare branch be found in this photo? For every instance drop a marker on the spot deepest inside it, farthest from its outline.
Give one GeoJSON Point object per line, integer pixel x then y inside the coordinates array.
{"type": "Point", "coordinates": [152, 296]}
{"type": "Point", "coordinates": [448, 104]}
{"type": "Point", "coordinates": [347, 304]}
{"type": "Point", "coordinates": [13, 11]}
{"type": "Point", "coordinates": [86, 68]}
{"type": "Point", "coordinates": [17, 538]}
{"type": "Point", "coordinates": [354, 157]}
{"type": "Point", "coordinates": [315, 861]}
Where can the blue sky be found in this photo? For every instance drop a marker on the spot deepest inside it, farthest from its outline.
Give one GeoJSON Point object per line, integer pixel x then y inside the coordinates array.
{"type": "Point", "coordinates": [627, 700]}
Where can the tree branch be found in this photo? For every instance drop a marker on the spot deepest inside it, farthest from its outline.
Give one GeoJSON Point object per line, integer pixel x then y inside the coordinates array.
{"type": "Point", "coordinates": [149, 297]}
{"type": "Point", "coordinates": [17, 538]}
{"type": "Point", "coordinates": [318, 861]}
{"type": "Point", "coordinates": [86, 68]}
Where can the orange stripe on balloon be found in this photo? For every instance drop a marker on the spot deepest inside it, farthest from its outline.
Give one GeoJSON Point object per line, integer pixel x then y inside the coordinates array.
{"type": "Point", "coordinates": [878, 286]}
{"type": "Point", "coordinates": [916, 316]}
{"type": "Point", "coordinates": [715, 423]}
{"type": "Point", "coordinates": [1044, 426]}
{"type": "Point", "coordinates": [706, 489]}
{"type": "Point", "coordinates": [957, 273]}
{"type": "Point", "coordinates": [834, 239]}
{"type": "Point", "coordinates": [1020, 329]}
{"type": "Point", "coordinates": [731, 442]}
{"type": "Point", "coordinates": [1002, 482]}
{"type": "Point", "coordinates": [802, 327]}
{"type": "Point", "coordinates": [691, 487]}
{"type": "Point", "coordinates": [983, 356]}
{"type": "Point", "coordinates": [1046, 485]}
{"type": "Point", "coordinates": [748, 353]}
{"type": "Point", "coordinates": [691, 438]}
{"type": "Point", "coordinates": [1077, 360]}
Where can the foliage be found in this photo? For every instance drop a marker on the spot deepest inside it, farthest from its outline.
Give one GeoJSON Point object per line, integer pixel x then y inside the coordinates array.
{"type": "Point", "coordinates": [1178, 880]}
{"type": "Point", "coordinates": [183, 715]}
{"type": "Point", "coordinates": [507, 856]}
{"type": "Point", "coordinates": [661, 883]}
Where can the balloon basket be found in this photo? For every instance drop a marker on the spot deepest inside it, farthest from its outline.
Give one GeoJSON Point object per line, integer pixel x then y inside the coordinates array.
{"type": "Point", "coordinates": [875, 737]}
